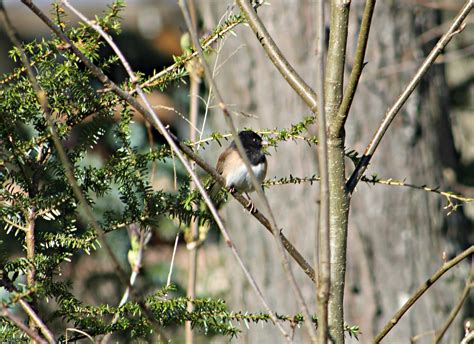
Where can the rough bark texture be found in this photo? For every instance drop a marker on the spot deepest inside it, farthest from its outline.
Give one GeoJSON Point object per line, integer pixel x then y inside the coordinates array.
{"type": "Point", "coordinates": [396, 236]}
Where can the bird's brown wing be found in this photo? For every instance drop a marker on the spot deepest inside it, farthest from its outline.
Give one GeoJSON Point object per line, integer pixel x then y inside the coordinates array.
{"type": "Point", "coordinates": [222, 158]}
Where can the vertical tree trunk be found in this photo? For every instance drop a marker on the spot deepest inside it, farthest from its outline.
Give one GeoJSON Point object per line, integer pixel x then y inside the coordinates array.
{"type": "Point", "coordinates": [396, 236]}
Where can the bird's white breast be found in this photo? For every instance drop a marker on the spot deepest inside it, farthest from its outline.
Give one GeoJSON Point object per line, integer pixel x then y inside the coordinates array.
{"type": "Point", "coordinates": [241, 180]}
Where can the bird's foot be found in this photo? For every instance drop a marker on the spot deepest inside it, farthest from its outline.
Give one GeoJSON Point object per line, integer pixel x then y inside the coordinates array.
{"type": "Point", "coordinates": [250, 205]}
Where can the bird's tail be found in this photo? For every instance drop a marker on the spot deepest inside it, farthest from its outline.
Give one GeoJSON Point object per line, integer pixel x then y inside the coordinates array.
{"type": "Point", "coordinates": [216, 193]}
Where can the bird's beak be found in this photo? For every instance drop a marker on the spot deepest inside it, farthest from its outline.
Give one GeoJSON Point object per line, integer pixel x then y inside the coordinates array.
{"type": "Point", "coordinates": [265, 143]}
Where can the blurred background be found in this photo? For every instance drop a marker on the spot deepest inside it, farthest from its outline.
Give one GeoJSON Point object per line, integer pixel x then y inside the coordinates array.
{"type": "Point", "coordinates": [397, 236]}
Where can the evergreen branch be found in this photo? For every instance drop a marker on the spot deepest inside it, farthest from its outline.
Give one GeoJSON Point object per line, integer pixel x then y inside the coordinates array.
{"type": "Point", "coordinates": [181, 61]}
{"type": "Point", "coordinates": [43, 101]}
{"type": "Point", "coordinates": [148, 112]}
{"type": "Point", "coordinates": [376, 180]}
{"type": "Point", "coordinates": [151, 116]}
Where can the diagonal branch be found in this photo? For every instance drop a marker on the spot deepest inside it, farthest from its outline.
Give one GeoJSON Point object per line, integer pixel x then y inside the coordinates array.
{"type": "Point", "coordinates": [421, 290]}
{"type": "Point", "coordinates": [455, 28]}
{"type": "Point", "coordinates": [306, 93]}
{"type": "Point", "coordinates": [465, 293]}
{"type": "Point", "coordinates": [4, 312]}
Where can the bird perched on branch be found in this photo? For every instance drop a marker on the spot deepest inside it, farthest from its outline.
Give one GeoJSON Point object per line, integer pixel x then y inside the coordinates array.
{"type": "Point", "coordinates": [232, 168]}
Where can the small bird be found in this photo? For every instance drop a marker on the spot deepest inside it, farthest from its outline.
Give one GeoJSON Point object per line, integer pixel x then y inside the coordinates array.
{"type": "Point", "coordinates": [231, 166]}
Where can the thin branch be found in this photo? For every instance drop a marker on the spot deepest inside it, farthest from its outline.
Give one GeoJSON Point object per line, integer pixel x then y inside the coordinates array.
{"type": "Point", "coordinates": [256, 184]}
{"type": "Point", "coordinates": [447, 194]}
{"type": "Point", "coordinates": [193, 67]}
{"type": "Point", "coordinates": [322, 248]}
{"type": "Point", "coordinates": [30, 246]}
{"type": "Point", "coordinates": [465, 293]}
{"type": "Point", "coordinates": [455, 28]}
{"type": "Point", "coordinates": [274, 53]}
{"type": "Point", "coordinates": [149, 114]}
{"type": "Point", "coordinates": [4, 312]}
{"type": "Point", "coordinates": [207, 43]}
{"type": "Point", "coordinates": [170, 273]}
{"type": "Point", "coordinates": [356, 72]}
{"type": "Point", "coordinates": [37, 320]}
{"type": "Point", "coordinates": [421, 290]}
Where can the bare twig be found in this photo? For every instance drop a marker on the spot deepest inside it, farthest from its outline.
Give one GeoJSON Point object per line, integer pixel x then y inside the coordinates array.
{"type": "Point", "coordinates": [4, 312]}
{"type": "Point", "coordinates": [149, 114]}
{"type": "Point", "coordinates": [322, 245]}
{"type": "Point", "coordinates": [421, 290]}
{"type": "Point", "coordinates": [256, 184]}
{"type": "Point", "coordinates": [356, 72]}
{"type": "Point", "coordinates": [170, 273]}
{"type": "Point", "coordinates": [195, 82]}
{"type": "Point", "coordinates": [37, 320]}
{"type": "Point", "coordinates": [465, 293]}
{"type": "Point", "coordinates": [395, 108]}
{"type": "Point", "coordinates": [286, 70]}
{"type": "Point", "coordinates": [30, 245]}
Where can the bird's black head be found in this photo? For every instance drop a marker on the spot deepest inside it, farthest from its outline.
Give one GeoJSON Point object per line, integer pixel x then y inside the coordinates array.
{"type": "Point", "coordinates": [250, 139]}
